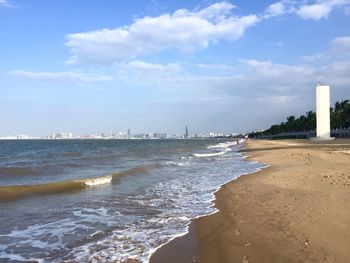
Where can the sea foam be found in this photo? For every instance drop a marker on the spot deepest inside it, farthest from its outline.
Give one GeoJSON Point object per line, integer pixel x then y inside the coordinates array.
{"type": "Point", "coordinates": [98, 180]}
{"type": "Point", "coordinates": [117, 227]}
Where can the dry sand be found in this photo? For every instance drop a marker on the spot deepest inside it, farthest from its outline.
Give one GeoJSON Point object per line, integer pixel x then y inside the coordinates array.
{"type": "Point", "coordinates": [297, 210]}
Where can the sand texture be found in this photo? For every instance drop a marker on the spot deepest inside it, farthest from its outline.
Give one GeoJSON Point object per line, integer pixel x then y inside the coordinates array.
{"type": "Point", "coordinates": [296, 210]}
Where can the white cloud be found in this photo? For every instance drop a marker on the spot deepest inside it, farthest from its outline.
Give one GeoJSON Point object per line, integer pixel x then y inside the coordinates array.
{"type": "Point", "coordinates": [215, 11]}
{"type": "Point", "coordinates": [268, 68]}
{"type": "Point", "coordinates": [4, 3]}
{"type": "Point", "coordinates": [261, 80]}
{"type": "Point", "coordinates": [172, 77]}
{"type": "Point", "coordinates": [315, 10]}
{"type": "Point", "coordinates": [139, 65]}
{"type": "Point", "coordinates": [320, 9]}
{"type": "Point", "coordinates": [150, 75]}
{"type": "Point", "coordinates": [265, 78]}
{"type": "Point", "coordinates": [217, 67]}
{"type": "Point", "coordinates": [264, 84]}
{"type": "Point", "coordinates": [67, 77]}
{"type": "Point", "coordinates": [182, 30]}
{"type": "Point", "coordinates": [275, 9]}
{"type": "Point", "coordinates": [341, 42]}
{"type": "Point", "coordinates": [339, 50]}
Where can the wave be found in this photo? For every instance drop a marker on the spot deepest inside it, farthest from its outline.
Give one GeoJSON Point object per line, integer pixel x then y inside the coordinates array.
{"type": "Point", "coordinates": [8, 193]}
{"type": "Point", "coordinates": [202, 155]}
{"type": "Point", "coordinates": [13, 192]}
{"type": "Point", "coordinates": [134, 171]}
{"type": "Point", "coordinates": [97, 181]}
{"type": "Point", "coordinates": [222, 145]}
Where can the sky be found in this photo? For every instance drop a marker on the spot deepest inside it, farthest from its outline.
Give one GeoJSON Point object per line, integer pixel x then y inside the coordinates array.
{"type": "Point", "coordinates": [92, 66]}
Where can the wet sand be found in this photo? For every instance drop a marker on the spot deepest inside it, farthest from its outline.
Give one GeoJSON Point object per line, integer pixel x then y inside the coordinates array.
{"type": "Point", "coordinates": [296, 210]}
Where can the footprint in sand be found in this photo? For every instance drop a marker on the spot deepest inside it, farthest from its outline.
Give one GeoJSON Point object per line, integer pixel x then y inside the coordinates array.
{"type": "Point", "coordinates": [247, 244]}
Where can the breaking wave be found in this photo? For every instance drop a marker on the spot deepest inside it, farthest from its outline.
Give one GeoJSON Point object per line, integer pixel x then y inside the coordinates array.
{"type": "Point", "coordinates": [127, 220]}
{"type": "Point", "coordinates": [224, 147]}
{"type": "Point", "coordinates": [203, 155]}
{"type": "Point", "coordinates": [12, 192]}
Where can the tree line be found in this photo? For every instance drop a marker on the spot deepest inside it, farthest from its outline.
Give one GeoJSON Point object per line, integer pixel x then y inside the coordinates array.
{"type": "Point", "coordinates": [340, 118]}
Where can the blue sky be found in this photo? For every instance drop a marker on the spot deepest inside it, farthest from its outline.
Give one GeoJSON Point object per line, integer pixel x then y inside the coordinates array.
{"type": "Point", "coordinates": [155, 66]}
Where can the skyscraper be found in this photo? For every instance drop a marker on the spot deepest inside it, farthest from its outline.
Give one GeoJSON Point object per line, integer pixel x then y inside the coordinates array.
{"type": "Point", "coordinates": [186, 132]}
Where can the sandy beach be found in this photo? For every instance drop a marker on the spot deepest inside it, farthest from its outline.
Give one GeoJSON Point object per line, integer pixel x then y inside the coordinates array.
{"type": "Point", "coordinates": [296, 210]}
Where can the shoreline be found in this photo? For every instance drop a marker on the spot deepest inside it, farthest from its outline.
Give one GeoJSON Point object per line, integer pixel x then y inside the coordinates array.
{"type": "Point", "coordinates": [267, 216]}
{"type": "Point", "coordinates": [190, 226]}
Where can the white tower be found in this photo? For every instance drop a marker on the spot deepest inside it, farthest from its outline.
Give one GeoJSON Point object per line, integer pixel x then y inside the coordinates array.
{"type": "Point", "coordinates": [323, 121]}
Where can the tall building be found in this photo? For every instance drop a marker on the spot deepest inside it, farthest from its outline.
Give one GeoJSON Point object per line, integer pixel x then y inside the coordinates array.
{"type": "Point", "coordinates": [186, 132]}
{"type": "Point", "coordinates": [323, 126]}
{"type": "Point", "coordinates": [129, 133]}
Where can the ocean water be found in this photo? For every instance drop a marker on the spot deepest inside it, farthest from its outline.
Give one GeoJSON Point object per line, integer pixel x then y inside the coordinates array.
{"type": "Point", "coordinates": [107, 200]}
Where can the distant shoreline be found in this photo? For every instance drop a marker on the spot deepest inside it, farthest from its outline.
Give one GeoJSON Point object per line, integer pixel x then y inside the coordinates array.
{"type": "Point", "coordinates": [116, 139]}
{"type": "Point", "coordinates": [293, 211]}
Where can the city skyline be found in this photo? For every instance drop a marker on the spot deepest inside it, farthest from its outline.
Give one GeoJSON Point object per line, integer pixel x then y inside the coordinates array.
{"type": "Point", "coordinates": [122, 135]}
{"type": "Point", "coordinates": [149, 65]}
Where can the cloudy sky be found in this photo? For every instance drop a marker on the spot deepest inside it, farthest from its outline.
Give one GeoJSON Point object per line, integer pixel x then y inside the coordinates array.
{"type": "Point", "coordinates": [155, 66]}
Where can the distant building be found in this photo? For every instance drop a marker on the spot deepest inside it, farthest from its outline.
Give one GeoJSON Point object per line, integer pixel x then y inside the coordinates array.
{"type": "Point", "coordinates": [23, 137]}
{"type": "Point", "coordinates": [158, 136]}
{"type": "Point", "coordinates": [186, 132]}
{"type": "Point", "coordinates": [129, 132]}
{"type": "Point", "coordinates": [62, 136]}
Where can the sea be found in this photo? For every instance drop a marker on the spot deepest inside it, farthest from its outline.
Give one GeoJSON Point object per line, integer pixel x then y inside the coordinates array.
{"type": "Point", "coordinates": [108, 200]}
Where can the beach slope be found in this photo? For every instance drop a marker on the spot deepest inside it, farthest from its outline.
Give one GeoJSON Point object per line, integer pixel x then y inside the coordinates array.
{"type": "Point", "coordinates": [296, 210]}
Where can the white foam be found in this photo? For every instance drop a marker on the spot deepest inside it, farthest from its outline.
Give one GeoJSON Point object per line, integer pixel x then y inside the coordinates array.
{"type": "Point", "coordinates": [98, 181]}
{"type": "Point", "coordinates": [186, 158]}
{"type": "Point", "coordinates": [224, 145]}
{"type": "Point", "coordinates": [240, 141]}
{"type": "Point", "coordinates": [177, 163]}
{"type": "Point", "coordinates": [203, 155]}
{"type": "Point", "coordinates": [187, 193]}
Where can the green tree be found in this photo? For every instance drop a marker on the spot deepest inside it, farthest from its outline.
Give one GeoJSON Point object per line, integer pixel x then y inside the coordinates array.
{"type": "Point", "coordinates": [340, 117]}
